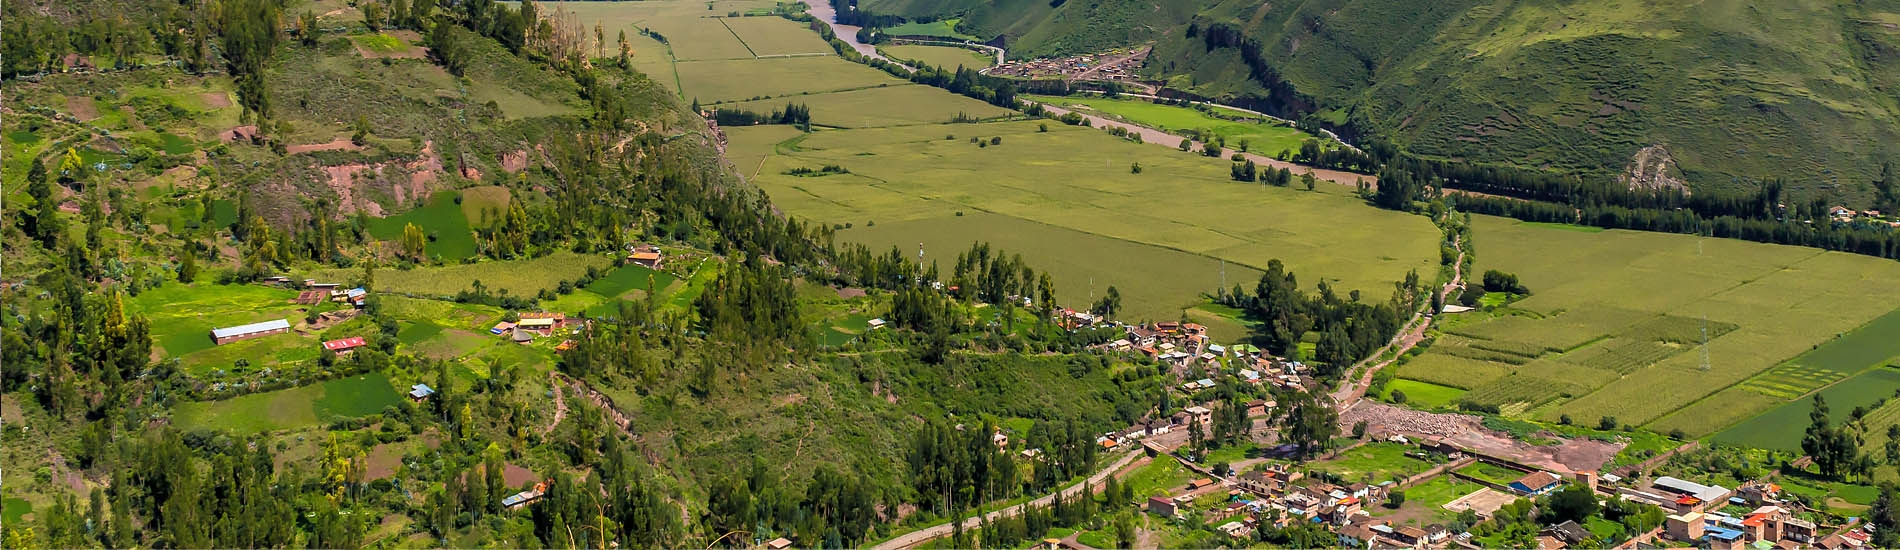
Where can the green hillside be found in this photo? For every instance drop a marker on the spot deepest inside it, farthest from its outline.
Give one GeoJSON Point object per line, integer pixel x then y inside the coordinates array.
{"type": "Point", "coordinates": [1735, 90]}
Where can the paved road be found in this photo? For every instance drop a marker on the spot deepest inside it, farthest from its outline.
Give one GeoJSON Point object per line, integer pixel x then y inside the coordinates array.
{"type": "Point", "coordinates": [941, 530]}
{"type": "Point", "coordinates": [1164, 139]}
{"type": "Point", "coordinates": [848, 33]}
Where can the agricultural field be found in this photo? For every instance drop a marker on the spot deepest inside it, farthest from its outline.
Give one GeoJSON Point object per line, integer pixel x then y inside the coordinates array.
{"type": "Point", "coordinates": [445, 222]}
{"type": "Point", "coordinates": [516, 277]}
{"type": "Point", "coordinates": [700, 39]}
{"type": "Point", "coordinates": [1424, 395]}
{"type": "Point", "coordinates": [731, 80]}
{"type": "Point", "coordinates": [776, 36]}
{"type": "Point", "coordinates": [182, 317]}
{"type": "Point", "coordinates": [1263, 136]}
{"type": "Point", "coordinates": [1616, 319]}
{"type": "Point", "coordinates": [947, 57]}
{"type": "Point", "coordinates": [945, 28]}
{"type": "Point", "coordinates": [898, 104]}
{"type": "Point", "coordinates": [1085, 217]}
{"type": "Point", "coordinates": [1781, 428]}
{"type": "Point", "coordinates": [292, 408]}
{"type": "Point", "coordinates": [1491, 472]}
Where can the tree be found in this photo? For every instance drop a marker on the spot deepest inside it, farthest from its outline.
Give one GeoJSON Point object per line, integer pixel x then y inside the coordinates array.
{"type": "Point", "coordinates": [1885, 518]}
{"type": "Point", "coordinates": [251, 35]}
{"type": "Point", "coordinates": [413, 241]}
{"type": "Point", "coordinates": [1186, 145]}
{"type": "Point", "coordinates": [1606, 423]}
{"type": "Point", "coordinates": [1134, 168]}
{"type": "Point", "coordinates": [373, 16]}
{"type": "Point", "coordinates": [1109, 303]}
{"type": "Point", "coordinates": [1395, 499]}
{"type": "Point", "coordinates": [1309, 424]}
{"type": "Point", "coordinates": [1309, 181]}
{"type": "Point", "coordinates": [1887, 189]}
{"type": "Point", "coordinates": [1575, 502]}
{"type": "Point", "coordinates": [187, 267]}
{"type": "Point", "coordinates": [1835, 450]}
{"type": "Point", "coordinates": [361, 135]}
{"type": "Point", "coordinates": [1398, 397]}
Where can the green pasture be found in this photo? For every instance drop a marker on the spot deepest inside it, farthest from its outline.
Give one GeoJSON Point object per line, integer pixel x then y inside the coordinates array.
{"type": "Point", "coordinates": [1426, 501]}
{"type": "Point", "coordinates": [1491, 472]}
{"type": "Point", "coordinates": [304, 406]}
{"type": "Point", "coordinates": [947, 57]}
{"type": "Point", "coordinates": [482, 204]}
{"type": "Point", "coordinates": [182, 316]}
{"type": "Point", "coordinates": [1067, 198]}
{"type": "Point", "coordinates": [946, 28]}
{"type": "Point", "coordinates": [630, 277]}
{"type": "Point", "coordinates": [770, 36]}
{"type": "Point", "coordinates": [1158, 478]}
{"type": "Point", "coordinates": [380, 43]}
{"type": "Point", "coordinates": [898, 104]}
{"type": "Point", "coordinates": [714, 81]}
{"type": "Point", "coordinates": [441, 219]}
{"type": "Point", "coordinates": [1264, 137]}
{"type": "Point", "coordinates": [15, 510]}
{"type": "Point", "coordinates": [1614, 324]}
{"type": "Point", "coordinates": [516, 277]}
{"type": "Point", "coordinates": [1373, 462]}
{"type": "Point", "coordinates": [1782, 427]}
{"type": "Point", "coordinates": [1424, 395]}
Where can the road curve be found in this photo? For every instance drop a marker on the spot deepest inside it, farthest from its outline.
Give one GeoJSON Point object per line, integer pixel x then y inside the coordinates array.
{"type": "Point", "coordinates": [848, 33]}
{"type": "Point", "coordinates": [1164, 139]}
{"type": "Point", "coordinates": [920, 536]}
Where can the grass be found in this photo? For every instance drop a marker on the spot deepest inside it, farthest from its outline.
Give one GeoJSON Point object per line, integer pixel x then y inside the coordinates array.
{"type": "Point", "coordinates": [1424, 395]}
{"type": "Point", "coordinates": [768, 36]}
{"type": "Point", "coordinates": [694, 39]}
{"type": "Point", "coordinates": [517, 277]}
{"type": "Point", "coordinates": [182, 316]}
{"type": "Point", "coordinates": [450, 237]}
{"type": "Point", "coordinates": [1424, 503]}
{"type": "Point", "coordinates": [1066, 197]}
{"type": "Point", "coordinates": [15, 510]}
{"type": "Point", "coordinates": [947, 57]}
{"type": "Point", "coordinates": [483, 203]}
{"type": "Point", "coordinates": [944, 28]}
{"type": "Point", "coordinates": [1264, 137]}
{"type": "Point", "coordinates": [380, 43]}
{"type": "Point", "coordinates": [1613, 325]}
{"type": "Point", "coordinates": [299, 407]}
{"type": "Point", "coordinates": [1491, 472]}
{"type": "Point", "coordinates": [1158, 478]}
{"type": "Point", "coordinates": [1781, 428]}
{"type": "Point", "coordinates": [630, 277]}
{"type": "Point", "coordinates": [895, 105]}
{"type": "Point", "coordinates": [743, 79]}
{"type": "Point", "coordinates": [1373, 462]}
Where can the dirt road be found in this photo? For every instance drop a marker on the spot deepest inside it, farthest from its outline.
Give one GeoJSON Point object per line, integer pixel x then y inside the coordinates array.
{"type": "Point", "coordinates": [921, 536]}
{"type": "Point", "coordinates": [1349, 394]}
{"type": "Point", "coordinates": [1159, 138]}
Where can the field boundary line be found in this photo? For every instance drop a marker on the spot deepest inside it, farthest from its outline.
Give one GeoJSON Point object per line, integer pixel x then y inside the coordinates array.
{"type": "Point", "coordinates": [735, 36]}
{"type": "Point", "coordinates": [807, 94]}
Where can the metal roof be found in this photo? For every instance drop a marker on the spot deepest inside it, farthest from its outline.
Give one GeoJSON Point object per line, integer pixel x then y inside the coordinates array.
{"type": "Point", "coordinates": [273, 324]}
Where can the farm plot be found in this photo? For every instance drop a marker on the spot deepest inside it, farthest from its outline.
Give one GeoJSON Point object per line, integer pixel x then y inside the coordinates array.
{"type": "Point", "coordinates": [630, 277]}
{"type": "Point", "coordinates": [1266, 138]}
{"type": "Point", "coordinates": [902, 176]}
{"type": "Point", "coordinates": [1453, 371]}
{"type": "Point", "coordinates": [441, 219]}
{"type": "Point", "coordinates": [1869, 346]}
{"type": "Point", "coordinates": [1782, 427]}
{"type": "Point", "coordinates": [1424, 395]}
{"type": "Point", "coordinates": [517, 277]}
{"type": "Point", "coordinates": [748, 146]}
{"type": "Point", "coordinates": [750, 79]}
{"type": "Point", "coordinates": [881, 106]}
{"type": "Point", "coordinates": [700, 38]}
{"type": "Point", "coordinates": [182, 316]}
{"type": "Point", "coordinates": [776, 36]}
{"type": "Point", "coordinates": [299, 407]}
{"type": "Point", "coordinates": [947, 57]}
{"type": "Point", "coordinates": [1629, 292]}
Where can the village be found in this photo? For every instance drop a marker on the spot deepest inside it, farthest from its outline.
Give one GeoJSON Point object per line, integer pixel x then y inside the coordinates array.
{"type": "Point", "coordinates": [1113, 66]}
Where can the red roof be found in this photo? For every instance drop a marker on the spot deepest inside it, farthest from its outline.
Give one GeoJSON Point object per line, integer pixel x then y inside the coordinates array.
{"type": "Point", "coordinates": [1687, 500]}
{"type": "Point", "coordinates": [346, 343]}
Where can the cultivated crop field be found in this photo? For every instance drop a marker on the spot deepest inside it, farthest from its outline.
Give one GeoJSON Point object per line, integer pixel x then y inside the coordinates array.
{"type": "Point", "coordinates": [948, 57]}
{"type": "Point", "coordinates": [898, 104]}
{"type": "Point", "coordinates": [1616, 321]}
{"type": "Point", "coordinates": [297, 407]}
{"type": "Point", "coordinates": [445, 222]}
{"type": "Point", "coordinates": [728, 80]}
{"type": "Point", "coordinates": [774, 36]}
{"type": "Point", "coordinates": [1264, 137]}
{"type": "Point", "coordinates": [518, 277]}
{"type": "Point", "coordinates": [1074, 196]}
{"type": "Point", "coordinates": [1782, 427]}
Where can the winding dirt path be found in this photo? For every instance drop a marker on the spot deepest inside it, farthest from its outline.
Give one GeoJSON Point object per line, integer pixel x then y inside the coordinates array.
{"type": "Point", "coordinates": [1350, 394]}
{"type": "Point", "coordinates": [560, 402]}
{"type": "Point", "coordinates": [1163, 139]}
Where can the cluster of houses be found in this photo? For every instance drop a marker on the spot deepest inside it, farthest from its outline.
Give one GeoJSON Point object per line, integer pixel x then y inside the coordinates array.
{"type": "Point", "coordinates": [1103, 67]}
{"type": "Point", "coordinates": [1842, 214]}
{"type": "Point", "coordinates": [1184, 345]}
{"type": "Point", "coordinates": [531, 325]}
{"type": "Point", "coordinates": [313, 293]}
{"type": "Point", "coordinates": [1279, 497]}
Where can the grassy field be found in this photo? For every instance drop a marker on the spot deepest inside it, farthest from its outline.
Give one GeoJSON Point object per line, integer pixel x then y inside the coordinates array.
{"type": "Point", "coordinates": [946, 28]}
{"type": "Point", "coordinates": [441, 218]}
{"type": "Point", "coordinates": [898, 104]}
{"type": "Point", "coordinates": [1373, 462]}
{"type": "Point", "coordinates": [298, 407]}
{"type": "Point", "coordinates": [1158, 478]}
{"type": "Point", "coordinates": [1424, 395]}
{"type": "Point", "coordinates": [1491, 472]}
{"type": "Point", "coordinates": [1614, 325]}
{"type": "Point", "coordinates": [696, 39]}
{"type": "Point", "coordinates": [947, 57]}
{"type": "Point", "coordinates": [770, 36]}
{"type": "Point", "coordinates": [1263, 137]}
{"type": "Point", "coordinates": [182, 316]}
{"type": "Point", "coordinates": [517, 277]}
{"type": "Point", "coordinates": [744, 79]}
{"type": "Point", "coordinates": [1424, 503]}
{"type": "Point", "coordinates": [629, 277]}
{"type": "Point", "coordinates": [1067, 198]}
{"type": "Point", "coordinates": [483, 203]}
{"type": "Point", "coordinates": [1781, 428]}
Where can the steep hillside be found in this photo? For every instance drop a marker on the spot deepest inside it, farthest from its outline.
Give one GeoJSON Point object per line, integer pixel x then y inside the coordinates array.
{"type": "Point", "coordinates": [1736, 90]}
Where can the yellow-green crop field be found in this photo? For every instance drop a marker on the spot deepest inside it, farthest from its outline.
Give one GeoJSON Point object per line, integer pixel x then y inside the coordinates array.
{"type": "Point", "coordinates": [746, 79]}
{"type": "Point", "coordinates": [948, 57]}
{"type": "Point", "coordinates": [1069, 196]}
{"type": "Point", "coordinates": [1616, 321]}
{"type": "Point", "coordinates": [893, 105]}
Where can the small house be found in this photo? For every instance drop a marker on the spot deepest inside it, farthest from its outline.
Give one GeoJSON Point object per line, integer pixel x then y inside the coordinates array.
{"type": "Point", "coordinates": [1535, 483]}
{"type": "Point", "coordinates": [780, 543]}
{"type": "Point", "coordinates": [420, 392]}
{"type": "Point", "coordinates": [875, 324]}
{"type": "Point", "coordinates": [502, 328]}
{"type": "Point", "coordinates": [525, 498]}
{"type": "Point", "coordinates": [1161, 506]}
{"type": "Point", "coordinates": [344, 346]}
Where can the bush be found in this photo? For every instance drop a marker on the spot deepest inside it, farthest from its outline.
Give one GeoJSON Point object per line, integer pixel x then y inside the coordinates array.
{"type": "Point", "coordinates": [1395, 500]}
{"type": "Point", "coordinates": [1606, 423]}
{"type": "Point", "coordinates": [1398, 397]}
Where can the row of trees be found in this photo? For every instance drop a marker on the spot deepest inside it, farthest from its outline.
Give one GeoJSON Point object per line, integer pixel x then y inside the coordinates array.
{"type": "Point", "coordinates": [796, 114]}
{"type": "Point", "coordinates": [955, 467]}
{"type": "Point", "coordinates": [1348, 328]}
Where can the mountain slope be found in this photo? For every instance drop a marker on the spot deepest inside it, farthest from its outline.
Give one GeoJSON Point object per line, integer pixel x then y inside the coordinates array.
{"type": "Point", "coordinates": [1736, 90]}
